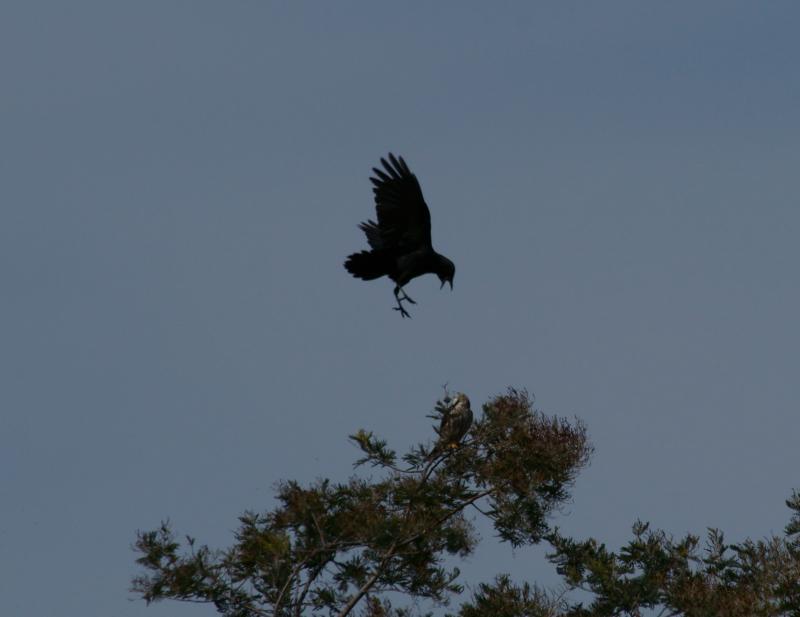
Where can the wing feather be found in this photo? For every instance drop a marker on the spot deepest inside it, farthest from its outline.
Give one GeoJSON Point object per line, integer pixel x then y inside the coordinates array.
{"type": "Point", "coordinates": [373, 233]}
{"type": "Point", "coordinates": [381, 176]}
{"type": "Point", "coordinates": [404, 221]}
{"type": "Point", "coordinates": [403, 166]}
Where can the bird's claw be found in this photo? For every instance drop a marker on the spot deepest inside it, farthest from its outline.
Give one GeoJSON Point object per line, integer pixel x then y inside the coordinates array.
{"type": "Point", "coordinates": [403, 312]}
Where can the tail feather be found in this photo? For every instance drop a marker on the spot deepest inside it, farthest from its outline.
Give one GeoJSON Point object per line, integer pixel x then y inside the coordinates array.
{"type": "Point", "coordinates": [366, 265]}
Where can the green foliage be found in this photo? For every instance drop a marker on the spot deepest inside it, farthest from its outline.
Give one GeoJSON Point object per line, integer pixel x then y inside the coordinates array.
{"type": "Point", "coordinates": [505, 599]}
{"type": "Point", "coordinates": [329, 547]}
{"type": "Point", "coordinates": [681, 577]}
{"type": "Point", "coordinates": [529, 459]}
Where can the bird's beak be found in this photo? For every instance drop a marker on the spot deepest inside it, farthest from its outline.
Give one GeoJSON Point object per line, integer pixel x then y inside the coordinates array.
{"type": "Point", "coordinates": [443, 282]}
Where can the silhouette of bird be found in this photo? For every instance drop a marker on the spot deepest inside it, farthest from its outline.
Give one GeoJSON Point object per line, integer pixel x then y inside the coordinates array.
{"type": "Point", "coordinates": [400, 241]}
{"type": "Point", "coordinates": [456, 421]}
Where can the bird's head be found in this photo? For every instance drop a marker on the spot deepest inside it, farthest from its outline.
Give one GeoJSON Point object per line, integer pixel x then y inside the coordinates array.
{"type": "Point", "coordinates": [445, 270]}
{"type": "Point", "coordinates": [460, 399]}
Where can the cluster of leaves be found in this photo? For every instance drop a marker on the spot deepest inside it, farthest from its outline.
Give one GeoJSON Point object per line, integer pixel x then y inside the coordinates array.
{"type": "Point", "coordinates": [684, 577]}
{"type": "Point", "coordinates": [503, 598]}
{"type": "Point", "coordinates": [329, 547]}
{"type": "Point", "coordinates": [655, 574]}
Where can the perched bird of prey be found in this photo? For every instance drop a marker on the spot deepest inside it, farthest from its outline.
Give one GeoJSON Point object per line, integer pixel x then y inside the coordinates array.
{"type": "Point", "coordinates": [401, 239]}
{"type": "Point", "coordinates": [456, 420]}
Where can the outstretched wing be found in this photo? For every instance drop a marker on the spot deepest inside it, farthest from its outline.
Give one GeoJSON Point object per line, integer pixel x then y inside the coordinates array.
{"type": "Point", "coordinates": [404, 221]}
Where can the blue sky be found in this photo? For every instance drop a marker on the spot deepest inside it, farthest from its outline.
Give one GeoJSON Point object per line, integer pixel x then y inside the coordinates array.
{"type": "Point", "coordinates": [181, 181]}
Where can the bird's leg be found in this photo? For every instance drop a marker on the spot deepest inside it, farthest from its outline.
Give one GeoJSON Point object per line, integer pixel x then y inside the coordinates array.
{"type": "Point", "coordinates": [406, 296]}
{"type": "Point", "coordinates": [399, 307]}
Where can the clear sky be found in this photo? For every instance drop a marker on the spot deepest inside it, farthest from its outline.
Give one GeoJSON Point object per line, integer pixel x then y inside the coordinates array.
{"type": "Point", "coordinates": [180, 182]}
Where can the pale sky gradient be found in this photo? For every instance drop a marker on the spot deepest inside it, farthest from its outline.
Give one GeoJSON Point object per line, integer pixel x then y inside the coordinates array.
{"type": "Point", "coordinates": [181, 181]}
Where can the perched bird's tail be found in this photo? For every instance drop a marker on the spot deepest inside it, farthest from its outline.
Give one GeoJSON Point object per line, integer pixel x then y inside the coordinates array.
{"type": "Point", "coordinates": [366, 265]}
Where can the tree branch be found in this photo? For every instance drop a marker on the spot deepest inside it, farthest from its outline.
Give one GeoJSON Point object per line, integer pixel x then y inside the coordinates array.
{"type": "Point", "coordinates": [301, 598]}
{"type": "Point", "coordinates": [370, 582]}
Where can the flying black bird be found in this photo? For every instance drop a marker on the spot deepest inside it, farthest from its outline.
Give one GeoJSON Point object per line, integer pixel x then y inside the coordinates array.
{"type": "Point", "coordinates": [401, 239]}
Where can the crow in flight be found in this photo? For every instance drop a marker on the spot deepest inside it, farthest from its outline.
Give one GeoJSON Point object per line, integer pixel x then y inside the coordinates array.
{"type": "Point", "coordinates": [401, 239]}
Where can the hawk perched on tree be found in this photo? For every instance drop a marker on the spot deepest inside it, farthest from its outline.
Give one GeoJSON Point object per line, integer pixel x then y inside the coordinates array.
{"type": "Point", "coordinates": [456, 421]}
{"type": "Point", "coordinates": [400, 241]}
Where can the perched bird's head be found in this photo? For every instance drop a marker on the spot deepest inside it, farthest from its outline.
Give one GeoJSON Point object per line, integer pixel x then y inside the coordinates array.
{"type": "Point", "coordinates": [445, 270]}
{"type": "Point", "coordinates": [460, 399]}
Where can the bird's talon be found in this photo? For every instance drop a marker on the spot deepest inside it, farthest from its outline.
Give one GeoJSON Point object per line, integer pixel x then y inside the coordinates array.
{"type": "Point", "coordinates": [403, 312]}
